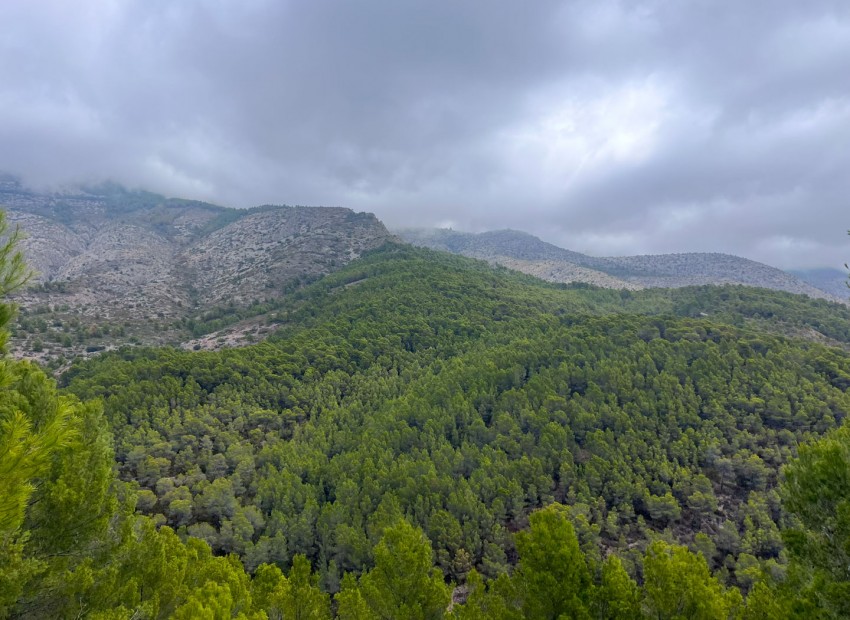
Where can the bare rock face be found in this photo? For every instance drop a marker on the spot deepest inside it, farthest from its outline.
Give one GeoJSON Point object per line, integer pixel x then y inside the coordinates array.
{"type": "Point", "coordinates": [265, 249]}
{"type": "Point", "coordinates": [133, 260]}
{"type": "Point", "coordinates": [49, 245]}
{"type": "Point", "coordinates": [523, 252]}
{"type": "Point", "coordinates": [126, 263]}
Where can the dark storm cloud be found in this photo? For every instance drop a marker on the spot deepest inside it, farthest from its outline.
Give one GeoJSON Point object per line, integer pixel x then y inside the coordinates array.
{"type": "Point", "coordinates": [607, 127]}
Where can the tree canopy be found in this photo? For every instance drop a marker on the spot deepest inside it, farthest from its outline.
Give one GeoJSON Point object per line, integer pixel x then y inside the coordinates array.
{"type": "Point", "coordinates": [428, 437]}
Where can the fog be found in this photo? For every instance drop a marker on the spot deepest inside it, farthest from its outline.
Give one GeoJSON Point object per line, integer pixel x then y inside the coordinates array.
{"type": "Point", "coordinates": [604, 127]}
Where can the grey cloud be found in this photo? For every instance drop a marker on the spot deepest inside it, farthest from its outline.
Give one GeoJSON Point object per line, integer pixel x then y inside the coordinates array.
{"type": "Point", "coordinates": [608, 127]}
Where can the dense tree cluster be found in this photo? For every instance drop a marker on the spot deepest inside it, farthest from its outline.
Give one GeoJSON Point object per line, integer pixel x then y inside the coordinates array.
{"type": "Point", "coordinates": [422, 423]}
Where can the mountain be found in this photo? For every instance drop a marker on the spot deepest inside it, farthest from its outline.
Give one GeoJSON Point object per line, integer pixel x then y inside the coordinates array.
{"type": "Point", "coordinates": [116, 266]}
{"type": "Point", "coordinates": [524, 252]}
{"type": "Point", "coordinates": [499, 243]}
{"type": "Point", "coordinates": [137, 261]}
{"type": "Point", "coordinates": [833, 281]}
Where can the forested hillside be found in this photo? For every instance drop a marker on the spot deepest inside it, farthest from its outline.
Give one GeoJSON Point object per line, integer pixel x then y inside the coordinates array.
{"type": "Point", "coordinates": [423, 422]}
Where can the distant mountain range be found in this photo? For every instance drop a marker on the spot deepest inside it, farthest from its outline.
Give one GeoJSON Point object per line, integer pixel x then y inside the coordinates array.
{"type": "Point", "coordinates": [116, 266]}
{"type": "Point", "coordinates": [524, 252]}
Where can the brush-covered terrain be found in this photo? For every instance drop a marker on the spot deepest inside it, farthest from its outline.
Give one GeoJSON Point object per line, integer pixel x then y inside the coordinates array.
{"type": "Point", "coordinates": [426, 436]}
{"type": "Point", "coordinates": [115, 266]}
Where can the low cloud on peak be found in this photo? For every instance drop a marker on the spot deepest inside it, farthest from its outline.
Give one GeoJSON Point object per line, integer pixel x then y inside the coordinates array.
{"type": "Point", "coordinates": [607, 127]}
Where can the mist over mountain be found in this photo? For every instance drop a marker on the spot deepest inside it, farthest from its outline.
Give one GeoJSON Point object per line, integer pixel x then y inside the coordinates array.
{"type": "Point", "coordinates": [833, 281]}
{"type": "Point", "coordinates": [529, 254]}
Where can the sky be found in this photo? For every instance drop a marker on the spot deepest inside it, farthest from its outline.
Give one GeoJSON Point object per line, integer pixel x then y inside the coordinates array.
{"type": "Point", "coordinates": [606, 127]}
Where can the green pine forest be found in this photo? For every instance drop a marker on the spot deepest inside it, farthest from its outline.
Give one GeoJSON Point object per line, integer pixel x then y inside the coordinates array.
{"type": "Point", "coordinates": [426, 436]}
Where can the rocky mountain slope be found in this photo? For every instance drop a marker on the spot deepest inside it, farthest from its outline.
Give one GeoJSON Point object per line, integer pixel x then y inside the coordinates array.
{"type": "Point", "coordinates": [108, 258]}
{"type": "Point", "coordinates": [526, 253]}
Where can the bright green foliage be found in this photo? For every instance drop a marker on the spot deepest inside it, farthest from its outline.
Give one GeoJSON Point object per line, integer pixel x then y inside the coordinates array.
{"type": "Point", "coordinates": [617, 597]}
{"type": "Point", "coordinates": [156, 575]}
{"type": "Point", "coordinates": [297, 596]}
{"type": "Point", "coordinates": [817, 492]}
{"type": "Point", "coordinates": [679, 586]}
{"type": "Point", "coordinates": [350, 602]}
{"type": "Point", "coordinates": [404, 582]}
{"type": "Point", "coordinates": [769, 603]}
{"type": "Point", "coordinates": [499, 601]}
{"type": "Point", "coordinates": [553, 578]}
{"type": "Point", "coordinates": [430, 387]}
{"type": "Point", "coordinates": [467, 398]}
{"type": "Point", "coordinates": [26, 443]}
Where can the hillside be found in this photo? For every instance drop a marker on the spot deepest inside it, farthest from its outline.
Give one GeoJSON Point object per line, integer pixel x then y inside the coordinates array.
{"type": "Point", "coordinates": [527, 253]}
{"type": "Point", "coordinates": [426, 432]}
{"type": "Point", "coordinates": [134, 263]}
{"type": "Point", "coordinates": [418, 385]}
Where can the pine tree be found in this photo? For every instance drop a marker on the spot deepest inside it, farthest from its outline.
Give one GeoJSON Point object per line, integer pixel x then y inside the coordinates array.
{"type": "Point", "coordinates": [404, 582]}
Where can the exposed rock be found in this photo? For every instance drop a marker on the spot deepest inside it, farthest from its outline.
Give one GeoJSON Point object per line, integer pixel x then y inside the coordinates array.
{"type": "Point", "coordinates": [693, 269]}
{"type": "Point", "coordinates": [265, 249]}
{"type": "Point", "coordinates": [138, 263]}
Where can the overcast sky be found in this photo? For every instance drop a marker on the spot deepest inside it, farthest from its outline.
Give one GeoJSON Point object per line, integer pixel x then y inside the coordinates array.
{"type": "Point", "coordinates": [604, 127]}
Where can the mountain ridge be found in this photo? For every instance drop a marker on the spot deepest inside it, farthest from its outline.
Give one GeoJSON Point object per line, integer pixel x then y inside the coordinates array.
{"type": "Point", "coordinates": [525, 252]}
{"type": "Point", "coordinates": [121, 266]}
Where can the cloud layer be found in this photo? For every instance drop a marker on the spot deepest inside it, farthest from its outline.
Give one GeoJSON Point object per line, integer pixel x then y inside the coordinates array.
{"type": "Point", "coordinates": [609, 127]}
